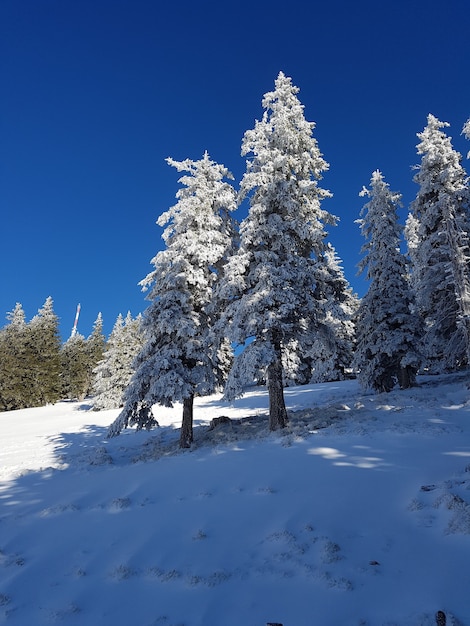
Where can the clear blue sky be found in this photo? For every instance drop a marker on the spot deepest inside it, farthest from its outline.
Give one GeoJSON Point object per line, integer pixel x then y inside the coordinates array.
{"type": "Point", "coordinates": [95, 94]}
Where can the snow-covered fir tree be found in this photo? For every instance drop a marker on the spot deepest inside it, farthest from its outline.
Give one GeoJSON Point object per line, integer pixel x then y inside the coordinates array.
{"type": "Point", "coordinates": [13, 361]}
{"type": "Point", "coordinates": [438, 239]}
{"type": "Point", "coordinates": [329, 357]}
{"type": "Point", "coordinates": [113, 374]}
{"type": "Point", "coordinates": [269, 286]}
{"type": "Point", "coordinates": [180, 355]}
{"type": "Point", "coordinates": [46, 345]}
{"type": "Point", "coordinates": [388, 332]}
{"type": "Point", "coordinates": [332, 353]}
{"type": "Point", "coordinates": [466, 132]}
{"type": "Point", "coordinates": [75, 368]}
{"type": "Point", "coordinates": [95, 347]}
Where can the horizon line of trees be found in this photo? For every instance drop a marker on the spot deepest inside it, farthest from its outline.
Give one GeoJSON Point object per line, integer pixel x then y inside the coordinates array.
{"type": "Point", "coordinates": [273, 288]}
{"type": "Point", "coordinates": [37, 368]}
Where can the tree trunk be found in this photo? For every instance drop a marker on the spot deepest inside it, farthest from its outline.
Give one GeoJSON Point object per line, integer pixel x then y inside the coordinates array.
{"type": "Point", "coordinates": [441, 619]}
{"type": "Point", "coordinates": [277, 406]}
{"type": "Point", "coordinates": [406, 377]}
{"type": "Point", "coordinates": [186, 436]}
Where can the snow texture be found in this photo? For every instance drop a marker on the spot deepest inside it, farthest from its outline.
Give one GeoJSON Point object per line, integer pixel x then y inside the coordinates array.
{"type": "Point", "coordinates": [356, 514]}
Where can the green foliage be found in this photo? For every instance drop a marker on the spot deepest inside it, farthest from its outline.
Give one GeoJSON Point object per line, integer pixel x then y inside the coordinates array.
{"type": "Point", "coordinates": [74, 365]}
{"type": "Point", "coordinates": [35, 369]}
{"type": "Point", "coordinates": [29, 359]}
{"type": "Point", "coordinates": [79, 357]}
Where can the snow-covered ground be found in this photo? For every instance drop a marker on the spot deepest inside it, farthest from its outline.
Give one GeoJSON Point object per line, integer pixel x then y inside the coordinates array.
{"type": "Point", "coordinates": [357, 514]}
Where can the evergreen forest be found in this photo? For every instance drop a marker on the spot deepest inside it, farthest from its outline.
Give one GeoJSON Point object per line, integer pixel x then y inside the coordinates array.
{"type": "Point", "coordinates": [265, 300]}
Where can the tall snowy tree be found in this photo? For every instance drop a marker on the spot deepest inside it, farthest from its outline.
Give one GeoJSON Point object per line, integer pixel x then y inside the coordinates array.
{"type": "Point", "coordinates": [332, 353]}
{"type": "Point", "coordinates": [269, 281]}
{"type": "Point", "coordinates": [466, 132]}
{"type": "Point", "coordinates": [14, 374]}
{"type": "Point", "coordinates": [94, 348]}
{"type": "Point", "coordinates": [75, 368]}
{"type": "Point", "coordinates": [388, 332]}
{"type": "Point", "coordinates": [45, 357]}
{"type": "Point", "coordinates": [438, 240]}
{"type": "Point", "coordinates": [180, 356]}
{"type": "Point", "coordinates": [113, 374]}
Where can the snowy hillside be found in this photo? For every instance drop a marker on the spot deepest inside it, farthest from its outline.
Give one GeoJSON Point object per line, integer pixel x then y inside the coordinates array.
{"type": "Point", "coordinates": [357, 514]}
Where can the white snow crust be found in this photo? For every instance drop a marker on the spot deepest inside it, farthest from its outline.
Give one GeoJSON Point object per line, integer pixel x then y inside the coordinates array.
{"type": "Point", "coordinates": [357, 514]}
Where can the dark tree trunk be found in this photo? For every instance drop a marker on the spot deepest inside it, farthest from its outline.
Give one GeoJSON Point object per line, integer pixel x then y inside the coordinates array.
{"type": "Point", "coordinates": [441, 619]}
{"type": "Point", "coordinates": [277, 406]}
{"type": "Point", "coordinates": [186, 436]}
{"type": "Point", "coordinates": [406, 377]}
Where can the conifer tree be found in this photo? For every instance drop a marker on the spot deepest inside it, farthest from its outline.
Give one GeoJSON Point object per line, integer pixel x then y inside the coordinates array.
{"type": "Point", "coordinates": [113, 374]}
{"type": "Point", "coordinates": [29, 359]}
{"type": "Point", "coordinates": [74, 367]}
{"type": "Point", "coordinates": [332, 353]}
{"type": "Point", "coordinates": [180, 356]}
{"type": "Point", "coordinates": [269, 281]}
{"type": "Point", "coordinates": [95, 347]}
{"type": "Point", "coordinates": [438, 240]}
{"type": "Point", "coordinates": [14, 388]}
{"type": "Point", "coordinates": [45, 357]}
{"type": "Point", "coordinates": [328, 356]}
{"type": "Point", "coordinates": [466, 132]}
{"type": "Point", "coordinates": [387, 330]}
{"type": "Point", "coordinates": [105, 394]}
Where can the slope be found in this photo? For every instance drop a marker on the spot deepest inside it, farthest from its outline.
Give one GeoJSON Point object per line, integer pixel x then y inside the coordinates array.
{"type": "Point", "coordinates": [357, 514]}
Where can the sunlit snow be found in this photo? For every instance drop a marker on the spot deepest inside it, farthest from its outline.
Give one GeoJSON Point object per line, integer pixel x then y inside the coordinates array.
{"type": "Point", "coordinates": [357, 514]}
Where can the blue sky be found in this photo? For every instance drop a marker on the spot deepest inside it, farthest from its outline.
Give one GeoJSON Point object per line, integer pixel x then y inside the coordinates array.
{"type": "Point", "coordinates": [97, 93]}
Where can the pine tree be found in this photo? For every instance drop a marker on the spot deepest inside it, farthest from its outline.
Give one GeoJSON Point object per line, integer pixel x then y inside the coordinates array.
{"type": "Point", "coordinates": [387, 329]}
{"type": "Point", "coordinates": [45, 355]}
{"type": "Point", "coordinates": [95, 347]}
{"type": "Point", "coordinates": [113, 374]}
{"type": "Point", "coordinates": [179, 357]}
{"type": "Point", "coordinates": [269, 280]}
{"type": "Point", "coordinates": [466, 132]}
{"type": "Point", "coordinates": [29, 359]}
{"type": "Point", "coordinates": [328, 357]}
{"type": "Point", "coordinates": [14, 383]}
{"type": "Point", "coordinates": [75, 367]}
{"type": "Point", "coordinates": [438, 239]}
{"type": "Point", "coordinates": [332, 353]}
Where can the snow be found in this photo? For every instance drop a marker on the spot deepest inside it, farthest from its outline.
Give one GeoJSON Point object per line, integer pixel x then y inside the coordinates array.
{"type": "Point", "coordinates": [357, 514]}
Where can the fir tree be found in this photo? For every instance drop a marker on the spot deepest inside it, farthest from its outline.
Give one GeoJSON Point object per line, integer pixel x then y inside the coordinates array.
{"type": "Point", "coordinates": [113, 374]}
{"type": "Point", "coordinates": [180, 357]}
{"type": "Point", "coordinates": [332, 353]}
{"type": "Point", "coordinates": [75, 367]}
{"type": "Point", "coordinates": [14, 383]}
{"type": "Point", "coordinates": [329, 354]}
{"type": "Point", "coordinates": [387, 330]}
{"type": "Point", "coordinates": [269, 280]}
{"type": "Point", "coordinates": [438, 239]}
{"type": "Point", "coordinates": [95, 347]}
{"type": "Point", "coordinates": [466, 132]}
{"type": "Point", "coordinates": [29, 359]}
{"type": "Point", "coordinates": [45, 357]}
